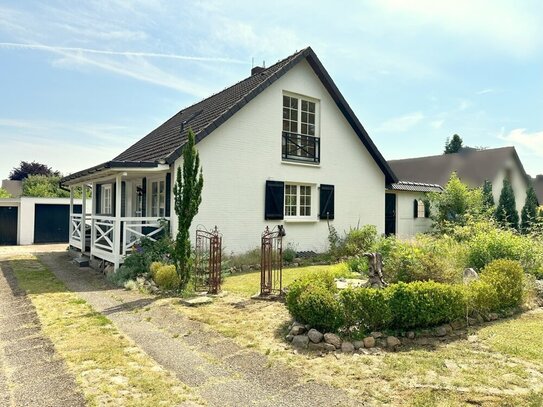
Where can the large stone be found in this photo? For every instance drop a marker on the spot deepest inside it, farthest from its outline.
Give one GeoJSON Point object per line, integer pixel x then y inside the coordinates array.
{"type": "Point", "coordinates": [328, 347]}
{"type": "Point", "coordinates": [347, 347]}
{"type": "Point", "coordinates": [297, 329]}
{"type": "Point", "coordinates": [332, 339]}
{"type": "Point", "coordinates": [393, 342]}
{"type": "Point", "coordinates": [196, 301]}
{"type": "Point", "coordinates": [410, 335]}
{"type": "Point", "coordinates": [470, 275]}
{"type": "Point", "coordinates": [369, 342]}
{"type": "Point", "coordinates": [458, 324]}
{"type": "Point", "coordinates": [300, 341]}
{"type": "Point", "coordinates": [443, 330]}
{"type": "Point", "coordinates": [316, 346]}
{"type": "Point", "coordinates": [289, 338]}
{"type": "Point", "coordinates": [493, 316]}
{"type": "Point", "coordinates": [358, 344]}
{"type": "Point", "coordinates": [377, 335]}
{"type": "Point", "coordinates": [315, 336]}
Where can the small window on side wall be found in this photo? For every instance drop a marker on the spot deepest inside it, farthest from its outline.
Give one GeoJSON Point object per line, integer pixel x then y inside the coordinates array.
{"type": "Point", "coordinates": [106, 199]}
{"type": "Point", "coordinates": [420, 209]}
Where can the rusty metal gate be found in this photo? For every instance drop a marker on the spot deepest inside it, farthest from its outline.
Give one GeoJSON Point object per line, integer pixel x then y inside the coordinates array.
{"type": "Point", "coordinates": [271, 261]}
{"type": "Point", "coordinates": [208, 255]}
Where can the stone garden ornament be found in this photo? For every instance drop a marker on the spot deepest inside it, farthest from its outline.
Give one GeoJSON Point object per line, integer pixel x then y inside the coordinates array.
{"type": "Point", "coordinates": [375, 274]}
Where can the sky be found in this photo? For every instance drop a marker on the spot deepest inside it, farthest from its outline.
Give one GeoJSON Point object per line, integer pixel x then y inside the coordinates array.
{"type": "Point", "coordinates": [82, 81]}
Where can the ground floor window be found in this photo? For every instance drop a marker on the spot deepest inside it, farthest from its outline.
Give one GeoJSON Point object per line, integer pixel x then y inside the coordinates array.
{"type": "Point", "coordinates": [158, 198]}
{"type": "Point", "coordinates": [106, 204]}
{"type": "Point", "coordinates": [297, 200]}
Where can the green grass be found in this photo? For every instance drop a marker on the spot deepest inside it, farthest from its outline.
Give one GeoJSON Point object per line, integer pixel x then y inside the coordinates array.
{"type": "Point", "coordinates": [249, 283]}
{"type": "Point", "coordinates": [109, 369]}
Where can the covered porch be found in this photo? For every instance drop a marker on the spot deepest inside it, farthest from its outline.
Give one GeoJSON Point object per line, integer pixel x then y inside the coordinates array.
{"type": "Point", "coordinates": [128, 203]}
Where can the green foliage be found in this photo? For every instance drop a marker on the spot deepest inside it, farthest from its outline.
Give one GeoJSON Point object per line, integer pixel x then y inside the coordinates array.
{"type": "Point", "coordinates": [4, 193]}
{"type": "Point", "coordinates": [453, 145]}
{"type": "Point", "coordinates": [456, 204]}
{"type": "Point", "coordinates": [529, 215]}
{"type": "Point", "coordinates": [43, 186]}
{"type": "Point", "coordinates": [188, 196]}
{"type": "Point", "coordinates": [507, 278]}
{"type": "Point", "coordinates": [425, 303]}
{"type": "Point", "coordinates": [482, 297]}
{"type": "Point", "coordinates": [506, 212]}
{"type": "Point", "coordinates": [166, 277]}
{"type": "Point", "coordinates": [488, 197]}
{"type": "Point", "coordinates": [289, 254]}
{"type": "Point", "coordinates": [26, 169]}
{"type": "Point", "coordinates": [319, 308]}
{"type": "Point", "coordinates": [355, 242]}
{"type": "Point", "coordinates": [122, 275]}
{"type": "Point", "coordinates": [358, 265]}
{"type": "Point", "coordinates": [248, 258]}
{"type": "Point", "coordinates": [366, 308]}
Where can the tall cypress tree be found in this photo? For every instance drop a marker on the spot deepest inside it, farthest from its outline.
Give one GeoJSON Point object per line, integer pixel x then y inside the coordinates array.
{"type": "Point", "coordinates": [188, 196]}
{"type": "Point", "coordinates": [453, 145]}
{"type": "Point", "coordinates": [529, 211]}
{"type": "Point", "coordinates": [506, 212]}
{"type": "Point", "coordinates": [488, 198]}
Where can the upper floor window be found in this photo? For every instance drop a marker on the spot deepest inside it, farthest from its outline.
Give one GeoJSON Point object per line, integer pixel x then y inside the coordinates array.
{"type": "Point", "coordinates": [300, 133]}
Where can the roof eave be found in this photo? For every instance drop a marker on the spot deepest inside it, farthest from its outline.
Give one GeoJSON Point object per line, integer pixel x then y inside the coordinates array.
{"type": "Point", "coordinates": [109, 165]}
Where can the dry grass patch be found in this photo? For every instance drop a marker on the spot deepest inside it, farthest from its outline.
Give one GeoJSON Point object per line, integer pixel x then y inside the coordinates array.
{"type": "Point", "coordinates": [504, 367]}
{"type": "Point", "coordinates": [109, 369]}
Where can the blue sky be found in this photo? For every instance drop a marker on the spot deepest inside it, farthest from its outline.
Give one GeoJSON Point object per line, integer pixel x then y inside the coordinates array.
{"type": "Point", "coordinates": [81, 81]}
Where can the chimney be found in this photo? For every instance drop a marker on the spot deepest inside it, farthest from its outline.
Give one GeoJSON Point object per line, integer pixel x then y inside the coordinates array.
{"type": "Point", "coordinates": [257, 69]}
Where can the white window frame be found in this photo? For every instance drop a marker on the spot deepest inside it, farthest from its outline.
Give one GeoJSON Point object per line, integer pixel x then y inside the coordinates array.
{"type": "Point", "coordinates": [106, 199]}
{"type": "Point", "coordinates": [312, 204]}
{"type": "Point", "coordinates": [421, 209]}
{"type": "Point", "coordinates": [300, 99]}
{"type": "Point", "coordinates": [158, 211]}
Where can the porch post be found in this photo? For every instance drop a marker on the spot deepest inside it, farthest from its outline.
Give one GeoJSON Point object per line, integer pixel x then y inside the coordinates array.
{"type": "Point", "coordinates": [117, 233]}
{"type": "Point", "coordinates": [93, 215]}
{"type": "Point", "coordinates": [83, 216]}
{"type": "Point", "coordinates": [71, 230]}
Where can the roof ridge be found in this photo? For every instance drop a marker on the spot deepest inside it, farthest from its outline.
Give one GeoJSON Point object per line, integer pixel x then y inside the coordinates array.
{"type": "Point", "coordinates": [457, 154]}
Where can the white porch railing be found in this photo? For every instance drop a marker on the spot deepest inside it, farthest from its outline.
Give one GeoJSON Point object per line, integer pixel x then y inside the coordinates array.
{"type": "Point", "coordinates": [138, 227]}
{"type": "Point", "coordinates": [77, 234]}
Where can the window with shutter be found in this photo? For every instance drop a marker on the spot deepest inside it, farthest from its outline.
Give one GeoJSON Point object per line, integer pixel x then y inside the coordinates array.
{"type": "Point", "coordinates": [298, 202]}
{"type": "Point", "coordinates": [326, 202]}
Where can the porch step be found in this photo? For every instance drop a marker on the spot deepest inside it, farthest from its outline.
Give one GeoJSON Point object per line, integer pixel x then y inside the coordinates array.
{"type": "Point", "coordinates": [82, 261]}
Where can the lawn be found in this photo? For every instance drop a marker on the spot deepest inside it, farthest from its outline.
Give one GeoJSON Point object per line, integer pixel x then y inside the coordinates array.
{"type": "Point", "coordinates": [108, 367]}
{"type": "Point", "coordinates": [501, 364]}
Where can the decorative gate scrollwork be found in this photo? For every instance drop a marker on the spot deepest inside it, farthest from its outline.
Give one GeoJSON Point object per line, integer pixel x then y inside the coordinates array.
{"type": "Point", "coordinates": [208, 260]}
{"type": "Point", "coordinates": [271, 261]}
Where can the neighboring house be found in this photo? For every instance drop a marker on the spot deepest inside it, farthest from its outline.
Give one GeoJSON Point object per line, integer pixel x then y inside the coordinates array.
{"type": "Point", "coordinates": [29, 220]}
{"type": "Point", "coordinates": [473, 167]}
{"type": "Point", "coordinates": [280, 147]}
{"type": "Point", "coordinates": [407, 210]}
{"type": "Point", "coordinates": [537, 182]}
{"type": "Point", "coordinates": [14, 188]}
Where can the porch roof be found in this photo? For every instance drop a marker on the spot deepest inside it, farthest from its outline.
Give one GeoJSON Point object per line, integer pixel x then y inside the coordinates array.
{"type": "Point", "coordinates": [109, 165]}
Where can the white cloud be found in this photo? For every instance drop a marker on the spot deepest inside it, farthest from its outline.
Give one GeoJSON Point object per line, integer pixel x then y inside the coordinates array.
{"type": "Point", "coordinates": [402, 123]}
{"type": "Point", "coordinates": [531, 141]}
{"type": "Point", "coordinates": [437, 124]}
{"type": "Point", "coordinates": [485, 91]}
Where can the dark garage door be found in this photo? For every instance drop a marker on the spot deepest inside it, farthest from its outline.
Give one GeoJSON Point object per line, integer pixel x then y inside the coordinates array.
{"type": "Point", "coordinates": [52, 223]}
{"type": "Point", "coordinates": [8, 225]}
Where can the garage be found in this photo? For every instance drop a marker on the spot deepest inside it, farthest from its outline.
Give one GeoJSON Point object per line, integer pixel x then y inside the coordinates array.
{"type": "Point", "coordinates": [52, 222]}
{"type": "Point", "coordinates": [8, 225]}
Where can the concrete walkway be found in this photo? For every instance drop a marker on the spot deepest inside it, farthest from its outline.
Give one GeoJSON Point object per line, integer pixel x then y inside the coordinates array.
{"type": "Point", "coordinates": [31, 372]}
{"type": "Point", "coordinates": [222, 372]}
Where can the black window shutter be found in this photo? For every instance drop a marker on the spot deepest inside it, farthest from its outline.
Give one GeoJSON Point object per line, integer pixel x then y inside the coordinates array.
{"type": "Point", "coordinates": [98, 198]}
{"type": "Point", "coordinates": [275, 197]}
{"type": "Point", "coordinates": [123, 198]}
{"type": "Point", "coordinates": [426, 209]}
{"type": "Point", "coordinates": [144, 197]}
{"type": "Point", "coordinates": [326, 202]}
{"type": "Point", "coordinates": [415, 208]}
{"type": "Point", "coordinates": [168, 195]}
{"type": "Point", "coordinates": [113, 198]}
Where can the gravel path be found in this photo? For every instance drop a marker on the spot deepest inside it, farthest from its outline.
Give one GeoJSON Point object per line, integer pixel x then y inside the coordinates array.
{"type": "Point", "coordinates": [31, 372]}
{"type": "Point", "coordinates": [224, 373]}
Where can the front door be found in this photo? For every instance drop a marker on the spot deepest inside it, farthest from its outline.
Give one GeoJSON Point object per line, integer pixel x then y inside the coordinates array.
{"type": "Point", "coordinates": [390, 214]}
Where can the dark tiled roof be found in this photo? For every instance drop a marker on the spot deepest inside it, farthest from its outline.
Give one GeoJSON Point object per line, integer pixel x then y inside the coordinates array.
{"type": "Point", "coordinates": [415, 186]}
{"type": "Point", "coordinates": [472, 166]}
{"type": "Point", "coordinates": [166, 141]}
{"type": "Point", "coordinates": [537, 182]}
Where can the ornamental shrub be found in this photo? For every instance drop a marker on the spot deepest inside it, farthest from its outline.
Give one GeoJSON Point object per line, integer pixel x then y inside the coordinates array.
{"type": "Point", "coordinates": [319, 307]}
{"type": "Point", "coordinates": [153, 268]}
{"type": "Point", "coordinates": [166, 277]}
{"type": "Point", "coordinates": [324, 280]}
{"type": "Point", "coordinates": [482, 297]}
{"type": "Point", "coordinates": [366, 308]}
{"type": "Point", "coordinates": [425, 303]}
{"type": "Point", "coordinates": [507, 278]}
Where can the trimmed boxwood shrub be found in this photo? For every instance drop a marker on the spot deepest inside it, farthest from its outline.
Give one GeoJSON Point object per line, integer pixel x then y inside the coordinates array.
{"type": "Point", "coordinates": [482, 297]}
{"type": "Point", "coordinates": [425, 303]}
{"type": "Point", "coordinates": [507, 277]}
{"type": "Point", "coordinates": [166, 277]}
{"type": "Point", "coordinates": [366, 308]}
{"type": "Point", "coordinates": [319, 308]}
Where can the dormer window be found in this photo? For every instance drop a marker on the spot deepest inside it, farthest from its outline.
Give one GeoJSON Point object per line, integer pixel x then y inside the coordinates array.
{"type": "Point", "coordinates": [300, 133]}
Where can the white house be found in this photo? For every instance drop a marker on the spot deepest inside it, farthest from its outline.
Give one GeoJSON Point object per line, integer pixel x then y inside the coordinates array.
{"type": "Point", "coordinates": [279, 147]}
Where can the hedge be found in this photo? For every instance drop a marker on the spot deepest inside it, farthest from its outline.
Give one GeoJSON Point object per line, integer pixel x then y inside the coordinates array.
{"type": "Point", "coordinates": [317, 302]}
